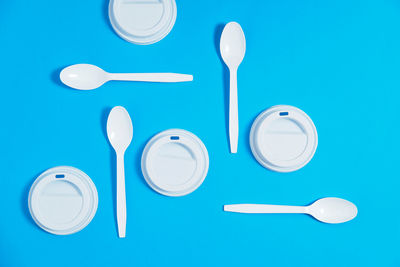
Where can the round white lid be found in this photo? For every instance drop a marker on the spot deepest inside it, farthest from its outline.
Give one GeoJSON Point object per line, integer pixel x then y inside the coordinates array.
{"type": "Point", "coordinates": [175, 162]}
{"type": "Point", "coordinates": [283, 138]}
{"type": "Point", "coordinates": [142, 21]}
{"type": "Point", "coordinates": [63, 200]}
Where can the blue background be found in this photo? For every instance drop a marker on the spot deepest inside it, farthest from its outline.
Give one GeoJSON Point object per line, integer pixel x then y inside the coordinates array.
{"type": "Point", "coordinates": [338, 61]}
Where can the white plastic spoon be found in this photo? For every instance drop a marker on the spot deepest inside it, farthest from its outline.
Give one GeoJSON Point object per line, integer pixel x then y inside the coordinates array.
{"type": "Point", "coordinates": [119, 132]}
{"type": "Point", "coordinates": [88, 77]}
{"type": "Point", "coordinates": [233, 48]}
{"type": "Point", "coordinates": [327, 210]}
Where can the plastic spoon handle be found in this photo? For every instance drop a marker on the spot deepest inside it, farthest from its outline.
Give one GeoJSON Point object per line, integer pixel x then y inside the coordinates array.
{"type": "Point", "coordinates": [261, 208]}
{"type": "Point", "coordinates": [152, 77]}
{"type": "Point", "coordinates": [233, 112]}
{"type": "Point", "coordinates": [121, 199]}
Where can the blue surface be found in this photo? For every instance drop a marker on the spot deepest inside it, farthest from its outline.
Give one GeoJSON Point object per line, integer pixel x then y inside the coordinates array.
{"type": "Point", "coordinates": [338, 61]}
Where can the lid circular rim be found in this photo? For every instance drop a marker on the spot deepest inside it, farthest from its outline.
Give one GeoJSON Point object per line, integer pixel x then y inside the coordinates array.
{"type": "Point", "coordinates": [253, 146]}
{"type": "Point", "coordinates": [91, 188]}
{"type": "Point", "coordinates": [196, 184]}
{"type": "Point", "coordinates": [147, 40]}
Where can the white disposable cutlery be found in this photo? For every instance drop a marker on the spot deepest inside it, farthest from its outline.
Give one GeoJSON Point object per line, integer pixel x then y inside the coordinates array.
{"type": "Point", "coordinates": [175, 162]}
{"type": "Point", "coordinates": [327, 210]}
{"type": "Point", "coordinates": [88, 77]}
{"type": "Point", "coordinates": [119, 131]}
{"type": "Point", "coordinates": [233, 48]}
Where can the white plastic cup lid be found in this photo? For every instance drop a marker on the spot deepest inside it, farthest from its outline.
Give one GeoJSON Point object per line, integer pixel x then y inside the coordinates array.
{"type": "Point", "coordinates": [63, 200]}
{"type": "Point", "coordinates": [175, 162]}
{"type": "Point", "coordinates": [283, 138]}
{"type": "Point", "coordinates": [142, 21]}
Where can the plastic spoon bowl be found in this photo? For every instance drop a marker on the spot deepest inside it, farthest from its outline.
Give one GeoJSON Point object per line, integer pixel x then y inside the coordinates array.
{"type": "Point", "coordinates": [88, 77]}
{"type": "Point", "coordinates": [119, 132]}
{"type": "Point", "coordinates": [233, 48]}
{"type": "Point", "coordinates": [327, 210]}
